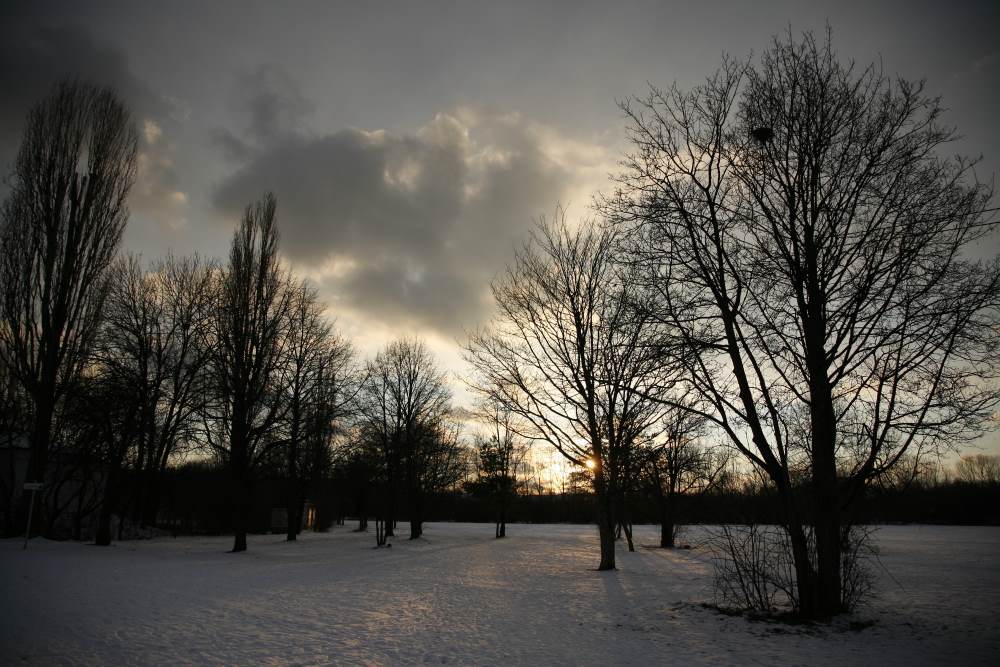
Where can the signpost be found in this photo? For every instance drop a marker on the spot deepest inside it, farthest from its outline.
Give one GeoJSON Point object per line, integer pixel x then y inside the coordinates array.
{"type": "Point", "coordinates": [34, 487]}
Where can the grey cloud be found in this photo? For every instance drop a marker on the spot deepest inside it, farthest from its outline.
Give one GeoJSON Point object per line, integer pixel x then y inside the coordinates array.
{"type": "Point", "coordinates": [271, 103]}
{"type": "Point", "coordinates": [35, 53]}
{"type": "Point", "coordinates": [232, 147]}
{"type": "Point", "coordinates": [439, 296]}
{"type": "Point", "coordinates": [406, 228]}
{"type": "Point", "coordinates": [276, 103]}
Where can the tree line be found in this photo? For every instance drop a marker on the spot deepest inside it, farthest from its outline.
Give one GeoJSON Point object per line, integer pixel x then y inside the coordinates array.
{"type": "Point", "coordinates": [781, 277]}
{"type": "Point", "coordinates": [112, 369]}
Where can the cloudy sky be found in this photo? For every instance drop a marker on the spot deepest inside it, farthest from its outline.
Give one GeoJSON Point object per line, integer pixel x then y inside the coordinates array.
{"type": "Point", "coordinates": [411, 144]}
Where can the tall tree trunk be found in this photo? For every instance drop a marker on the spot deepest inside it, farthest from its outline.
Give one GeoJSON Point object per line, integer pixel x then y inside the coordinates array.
{"type": "Point", "coordinates": [362, 511]}
{"type": "Point", "coordinates": [827, 526]}
{"type": "Point", "coordinates": [624, 520]}
{"type": "Point", "coordinates": [667, 531]}
{"type": "Point", "coordinates": [501, 528]}
{"type": "Point", "coordinates": [416, 515]}
{"type": "Point", "coordinates": [666, 534]}
{"type": "Point", "coordinates": [240, 515]}
{"type": "Point", "coordinates": [293, 516]}
{"type": "Point", "coordinates": [607, 535]}
{"type": "Point", "coordinates": [300, 512]}
{"type": "Point", "coordinates": [826, 500]}
{"type": "Point", "coordinates": [240, 490]}
{"type": "Point", "coordinates": [605, 522]}
{"type": "Point", "coordinates": [805, 575]}
{"type": "Point", "coordinates": [823, 432]}
{"type": "Point", "coordinates": [667, 522]}
{"type": "Point", "coordinates": [390, 517]}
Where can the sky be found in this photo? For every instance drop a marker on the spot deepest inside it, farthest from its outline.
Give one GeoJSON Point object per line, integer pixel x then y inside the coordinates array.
{"type": "Point", "coordinates": [411, 145]}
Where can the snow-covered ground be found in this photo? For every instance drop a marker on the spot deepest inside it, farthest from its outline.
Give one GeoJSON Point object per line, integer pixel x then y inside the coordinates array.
{"type": "Point", "coordinates": [457, 596]}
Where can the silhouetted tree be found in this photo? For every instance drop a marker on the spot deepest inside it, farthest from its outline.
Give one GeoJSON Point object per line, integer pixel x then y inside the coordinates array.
{"type": "Point", "coordinates": [128, 378]}
{"type": "Point", "coordinates": [818, 268]}
{"type": "Point", "coordinates": [307, 332]}
{"type": "Point", "coordinates": [566, 355]}
{"type": "Point", "coordinates": [248, 337]}
{"type": "Point", "coordinates": [183, 289]}
{"type": "Point", "coordinates": [678, 466]}
{"type": "Point", "coordinates": [359, 465]}
{"type": "Point", "coordinates": [435, 461]}
{"type": "Point", "coordinates": [579, 482]}
{"type": "Point", "coordinates": [62, 224]}
{"type": "Point", "coordinates": [151, 352]}
{"type": "Point", "coordinates": [499, 453]}
{"type": "Point", "coordinates": [978, 469]}
{"type": "Point", "coordinates": [402, 403]}
{"type": "Point", "coordinates": [317, 377]}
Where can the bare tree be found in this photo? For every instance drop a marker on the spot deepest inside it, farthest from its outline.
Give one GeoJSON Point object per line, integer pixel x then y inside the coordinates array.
{"type": "Point", "coordinates": [130, 380]}
{"type": "Point", "coordinates": [807, 247]}
{"type": "Point", "coordinates": [678, 466]}
{"type": "Point", "coordinates": [183, 287]}
{"type": "Point", "coordinates": [499, 455]}
{"type": "Point", "coordinates": [402, 404]}
{"type": "Point", "coordinates": [909, 470]}
{"type": "Point", "coordinates": [318, 380]}
{"type": "Point", "coordinates": [62, 224]}
{"type": "Point", "coordinates": [150, 351]}
{"type": "Point", "coordinates": [328, 418]}
{"type": "Point", "coordinates": [359, 464]}
{"type": "Point", "coordinates": [434, 461]}
{"type": "Point", "coordinates": [566, 356]}
{"type": "Point", "coordinates": [307, 331]}
{"type": "Point", "coordinates": [248, 337]}
{"type": "Point", "coordinates": [978, 469]}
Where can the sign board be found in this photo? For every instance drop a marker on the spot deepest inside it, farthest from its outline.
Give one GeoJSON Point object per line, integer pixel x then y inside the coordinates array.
{"type": "Point", "coordinates": [32, 486]}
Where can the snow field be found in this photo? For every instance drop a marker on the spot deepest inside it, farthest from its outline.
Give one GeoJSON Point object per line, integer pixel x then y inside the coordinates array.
{"type": "Point", "coordinates": [460, 597]}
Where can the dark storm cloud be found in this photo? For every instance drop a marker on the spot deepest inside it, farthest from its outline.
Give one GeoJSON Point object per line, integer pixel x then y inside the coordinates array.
{"type": "Point", "coordinates": [408, 228]}
{"type": "Point", "coordinates": [36, 53]}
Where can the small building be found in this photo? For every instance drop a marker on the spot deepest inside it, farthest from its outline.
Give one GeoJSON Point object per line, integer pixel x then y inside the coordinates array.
{"type": "Point", "coordinates": [279, 518]}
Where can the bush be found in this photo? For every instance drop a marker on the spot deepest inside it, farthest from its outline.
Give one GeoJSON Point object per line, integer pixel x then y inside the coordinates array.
{"type": "Point", "coordinates": [857, 555]}
{"type": "Point", "coordinates": [754, 569]}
